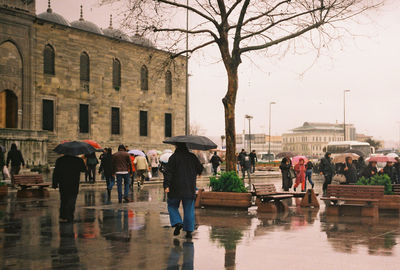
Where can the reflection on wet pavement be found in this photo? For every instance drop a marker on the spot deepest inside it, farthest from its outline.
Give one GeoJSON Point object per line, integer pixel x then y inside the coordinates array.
{"type": "Point", "coordinates": [137, 236]}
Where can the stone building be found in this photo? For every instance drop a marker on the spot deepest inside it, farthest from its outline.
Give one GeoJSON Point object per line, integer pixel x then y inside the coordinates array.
{"type": "Point", "coordinates": [73, 81]}
{"type": "Point", "coordinates": [311, 138]}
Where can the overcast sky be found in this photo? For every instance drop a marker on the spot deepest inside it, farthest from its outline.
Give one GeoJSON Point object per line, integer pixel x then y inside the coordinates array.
{"type": "Point", "coordinates": [305, 88]}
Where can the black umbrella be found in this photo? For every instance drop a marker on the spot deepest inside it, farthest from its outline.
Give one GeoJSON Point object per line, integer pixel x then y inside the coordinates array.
{"type": "Point", "coordinates": [193, 142]}
{"type": "Point", "coordinates": [74, 148]}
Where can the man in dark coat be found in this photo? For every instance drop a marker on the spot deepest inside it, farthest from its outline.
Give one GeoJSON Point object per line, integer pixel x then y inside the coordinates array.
{"type": "Point", "coordinates": [180, 186]}
{"type": "Point", "coordinates": [15, 157]}
{"type": "Point", "coordinates": [327, 169]}
{"type": "Point", "coordinates": [66, 176]}
{"type": "Point", "coordinates": [215, 162]}
{"type": "Point", "coordinates": [286, 179]}
{"type": "Point", "coordinates": [350, 171]}
{"type": "Point", "coordinates": [370, 170]}
{"type": "Point", "coordinates": [106, 168]}
{"type": "Point", "coordinates": [390, 170]}
{"type": "Point", "coordinates": [245, 164]}
{"type": "Point", "coordinates": [91, 163]}
{"type": "Point", "coordinates": [253, 160]}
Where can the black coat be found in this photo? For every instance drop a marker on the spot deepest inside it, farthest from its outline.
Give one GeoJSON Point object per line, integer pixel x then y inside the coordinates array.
{"type": "Point", "coordinates": [15, 156]}
{"type": "Point", "coordinates": [181, 173]}
{"type": "Point", "coordinates": [67, 174]}
{"type": "Point", "coordinates": [106, 165]}
{"type": "Point", "coordinates": [350, 173]}
{"type": "Point", "coordinates": [326, 166]}
{"type": "Point", "coordinates": [369, 171]}
{"type": "Point", "coordinates": [253, 158]}
{"type": "Point", "coordinates": [215, 161]}
{"type": "Point", "coordinates": [391, 172]}
{"type": "Point", "coordinates": [286, 180]}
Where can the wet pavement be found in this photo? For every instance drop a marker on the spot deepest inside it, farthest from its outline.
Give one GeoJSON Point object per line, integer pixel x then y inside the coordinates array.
{"type": "Point", "coordinates": [137, 235]}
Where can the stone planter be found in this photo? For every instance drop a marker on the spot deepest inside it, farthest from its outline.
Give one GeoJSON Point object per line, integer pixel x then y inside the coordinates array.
{"type": "Point", "coordinates": [224, 199]}
{"type": "Point", "coordinates": [389, 202]}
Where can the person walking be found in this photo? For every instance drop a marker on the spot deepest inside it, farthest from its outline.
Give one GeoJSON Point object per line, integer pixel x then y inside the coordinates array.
{"type": "Point", "coordinates": [122, 167]}
{"type": "Point", "coordinates": [300, 170]}
{"type": "Point", "coordinates": [350, 171]}
{"type": "Point", "coordinates": [180, 186]}
{"type": "Point", "coordinates": [142, 168]}
{"type": "Point", "coordinates": [132, 157]}
{"type": "Point", "coordinates": [253, 160]}
{"type": "Point", "coordinates": [286, 179]}
{"type": "Point", "coordinates": [309, 172]}
{"type": "Point", "coordinates": [66, 177]}
{"type": "Point", "coordinates": [246, 167]}
{"type": "Point", "coordinates": [106, 168]}
{"type": "Point", "coordinates": [91, 163]}
{"type": "Point", "coordinates": [16, 159]}
{"type": "Point", "coordinates": [327, 169]}
{"type": "Point", "coordinates": [215, 162]}
{"type": "Point", "coordinates": [154, 162]}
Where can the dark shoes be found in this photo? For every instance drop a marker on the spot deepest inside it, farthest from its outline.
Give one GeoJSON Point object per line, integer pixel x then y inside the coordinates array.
{"type": "Point", "coordinates": [294, 189]}
{"type": "Point", "coordinates": [178, 228]}
{"type": "Point", "coordinates": [126, 200]}
{"type": "Point", "coordinates": [312, 185]}
{"type": "Point", "coordinates": [189, 235]}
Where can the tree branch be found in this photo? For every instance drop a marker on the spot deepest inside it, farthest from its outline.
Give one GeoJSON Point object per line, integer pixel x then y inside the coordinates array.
{"type": "Point", "coordinates": [232, 8]}
{"type": "Point", "coordinates": [265, 13]}
{"type": "Point", "coordinates": [194, 49]}
{"type": "Point", "coordinates": [238, 31]}
{"type": "Point", "coordinates": [191, 9]}
{"type": "Point", "coordinates": [278, 22]}
{"type": "Point", "coordinates": [192, 32]}
{"type": "Point", "coordinates": [277, 41]}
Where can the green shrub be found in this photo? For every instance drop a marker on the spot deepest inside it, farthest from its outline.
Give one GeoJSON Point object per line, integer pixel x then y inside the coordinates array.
{"type": "Point", "coordinates": [377, 180]}
{"type": "Point", "coordinates": [227, 182]}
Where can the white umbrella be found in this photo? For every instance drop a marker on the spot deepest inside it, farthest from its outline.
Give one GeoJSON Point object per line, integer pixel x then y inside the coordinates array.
{"type": "Point", "coordinates": [168, 151]}
{"type": "Point", "coordinates": [392, 155]}
{"type": "Point", "coordinates": [165, 157]}
{"type": "Point", "coordinates": [136, 153]}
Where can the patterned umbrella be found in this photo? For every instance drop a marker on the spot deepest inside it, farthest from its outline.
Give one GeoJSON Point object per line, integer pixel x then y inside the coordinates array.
{"type": "Point", "coordinates": [136, 152]}
{"type": "Point", "coordinates": [296, 159]}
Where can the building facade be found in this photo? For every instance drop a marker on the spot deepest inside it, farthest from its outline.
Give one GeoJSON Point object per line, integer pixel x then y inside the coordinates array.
{"type": "Point", "coordinates": [259, 142]}
{"type": "Point", "coordinates": [311, 138]}
{"type": "Point", "coordinates": [74, 81]}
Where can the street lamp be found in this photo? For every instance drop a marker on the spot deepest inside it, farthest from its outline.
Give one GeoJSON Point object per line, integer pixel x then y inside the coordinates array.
{"type": "Point", "coordinates": [222, 141]}
{"type": "Point", "coordinates": [269, 133]}
{"type": "Point", "coordinates": [249, 117]}
{"type": "Point", "coordinates": [344, 114]}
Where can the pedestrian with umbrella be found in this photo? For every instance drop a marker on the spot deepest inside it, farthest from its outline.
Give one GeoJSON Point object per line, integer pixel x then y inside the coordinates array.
{"type": "Point", "coordinates": [180, 180]}
{"type": "Point", "coordinates": [122, 168]}
{"type": "Point", "coordinates": [300, 170]}
{"type": "Point", "coordinates": [142, 168]}
{"type": "Point", "coordinates": [350, 171]}
{"type": "Point", "coordinates": [285, 167]}
{"type": "Point", "coordinates": [327, 169]}
{"type": "Point", "coordinates": [106, 168]}
{"type": "Point", "coordinates": [66, 175]}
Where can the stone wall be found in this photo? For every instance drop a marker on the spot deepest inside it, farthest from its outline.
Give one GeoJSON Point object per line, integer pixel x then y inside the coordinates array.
{"type": "Point", "coordinates": [66, 91]}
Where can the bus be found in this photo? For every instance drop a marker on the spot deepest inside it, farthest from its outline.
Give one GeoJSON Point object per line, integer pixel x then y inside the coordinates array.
{"type": "Point", "coordinates": [343, 146]}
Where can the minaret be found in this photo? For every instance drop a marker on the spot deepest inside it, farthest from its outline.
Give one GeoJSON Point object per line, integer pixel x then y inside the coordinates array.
{"type": "Point", "coordinates": [81, 17]}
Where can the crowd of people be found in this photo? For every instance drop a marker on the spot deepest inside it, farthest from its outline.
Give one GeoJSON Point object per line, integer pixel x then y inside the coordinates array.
{"type": "Point", "coordinates": [351, 170]}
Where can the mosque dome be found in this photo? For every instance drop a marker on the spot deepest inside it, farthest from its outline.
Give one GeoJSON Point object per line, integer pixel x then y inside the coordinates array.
{"type": "Point", "coordinates": [115, 33]}
{"type": "Point", "coordinates": [86, 25]}
{"type": "Point", "coordinates": [51, 16]}
{"type": "Point", "coordinates": [140, 40]}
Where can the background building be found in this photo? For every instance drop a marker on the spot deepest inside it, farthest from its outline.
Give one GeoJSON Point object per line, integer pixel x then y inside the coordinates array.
{"type": "Point", "coordinates": [259, 142]}
{"type": "Point", "coordinates": [311, 138]}
{"type": "Point", "coordinates": [74, 81]}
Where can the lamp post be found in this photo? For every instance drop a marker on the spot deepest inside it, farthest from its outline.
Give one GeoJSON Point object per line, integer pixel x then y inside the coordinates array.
{"type": "Point", "coordinates": [249, 117]}
{"type": "Point", "coordinates": [344, 114]}
{"type": "Point", "coordinates": [222, 141]}
{"type": "Point", "coordinates": [269, 132]}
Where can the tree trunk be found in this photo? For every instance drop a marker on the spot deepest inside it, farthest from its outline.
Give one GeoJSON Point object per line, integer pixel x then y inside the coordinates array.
{"type": "Point", "coordinates": [229, 102]}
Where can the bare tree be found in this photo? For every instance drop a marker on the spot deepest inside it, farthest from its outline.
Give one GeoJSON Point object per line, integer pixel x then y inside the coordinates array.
{"type": "Point", "coordinates": [237, 27]}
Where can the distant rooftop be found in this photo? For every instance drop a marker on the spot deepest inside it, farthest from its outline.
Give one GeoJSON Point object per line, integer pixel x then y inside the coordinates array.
{"type": "Point", "coordinates": [310, 126]}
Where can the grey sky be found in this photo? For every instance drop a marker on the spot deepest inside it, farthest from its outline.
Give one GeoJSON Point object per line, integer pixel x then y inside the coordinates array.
{"type": "Point", "coordinates": [368, 65]}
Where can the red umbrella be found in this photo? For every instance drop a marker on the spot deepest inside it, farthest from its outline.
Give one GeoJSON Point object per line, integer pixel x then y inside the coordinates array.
{"type": "Point", "coordinates": [92, 143]}
{"type": "Point", "coordinates": [296, 159]}
{"type": "Point", "coordinates": [381, 158]}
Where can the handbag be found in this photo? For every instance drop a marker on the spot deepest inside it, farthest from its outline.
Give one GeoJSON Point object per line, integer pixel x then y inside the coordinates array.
{"type": "Point", "coordinates": [6, 173]}
{"type": "Point", "coordinates": [339, 178]}
{"type": "Point", "coordinates": [292, 173]}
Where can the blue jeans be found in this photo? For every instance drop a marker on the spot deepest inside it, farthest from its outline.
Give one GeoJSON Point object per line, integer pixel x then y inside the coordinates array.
{"type": "Point", "coordinates": [308, 176]}
{"type": "Point", "coordinates": [110, 182]}
{"type": "Point", "coordinates": [188, 213]}
{"type": "Point", "coordinates": [126, 185]}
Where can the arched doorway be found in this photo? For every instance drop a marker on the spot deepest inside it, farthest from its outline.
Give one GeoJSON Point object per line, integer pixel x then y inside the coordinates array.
{"type": "Point", "coordinates": [8, 109]}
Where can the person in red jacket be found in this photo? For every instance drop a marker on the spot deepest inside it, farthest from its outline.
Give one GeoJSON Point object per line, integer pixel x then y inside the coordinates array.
{"type": "Point", "coordinates": [300, 170]}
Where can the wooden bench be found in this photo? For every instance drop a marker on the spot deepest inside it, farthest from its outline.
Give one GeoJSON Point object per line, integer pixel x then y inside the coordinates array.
{"type": "Point", "coordinates": [396, 189]}
{"type": "Point", "coordinates": [342, 199]}
{"type": "Point", "coordinates": [268, 199]}
{"type": "Point", "coordinates": [30, 180]}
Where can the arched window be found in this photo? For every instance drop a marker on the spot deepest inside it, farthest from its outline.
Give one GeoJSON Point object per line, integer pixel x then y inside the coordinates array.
{"type": "Point", "coordinates": [144, 78]}
{"type": "Point", "coordinates": [85, 67]}
{"type": "Point", "coordinates": [116, 74]}
{"type": "Point", "coordinates": [168, 83]}
{"type": "Point", "coordinates": [48, 60]}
